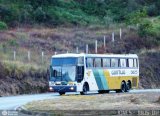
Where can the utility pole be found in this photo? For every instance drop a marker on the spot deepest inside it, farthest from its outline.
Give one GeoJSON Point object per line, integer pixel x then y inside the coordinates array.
{"type": "Point", "coordinates": [14, 55]}
{"type": "Point", "coordinates": [120, 33]}
{"type": "Point", "coordinates": [113, 37]}
{"type": "Point", "coordinates": [96, 46]}
{"type": "Point", "coordinates": [77, 51]}
{"type": "Point", "coordinates": [42, 57]}
{"type": "Point", "coordinates": [29, 56]}
{"type": "Point", "coordinates": [86, 48]}
{"type": "Point", "coordinates": [104, 42]}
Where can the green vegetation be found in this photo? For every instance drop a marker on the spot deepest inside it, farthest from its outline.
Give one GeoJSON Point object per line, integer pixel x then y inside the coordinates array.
{"type": "Point", "coordinates": [3, 26]}
{"type": "Point", "coordinates": [76, 12]}
{"type": "Point", "coordinates": [145, 28]}
{"type": "Point", "coordinates": [105, 13]}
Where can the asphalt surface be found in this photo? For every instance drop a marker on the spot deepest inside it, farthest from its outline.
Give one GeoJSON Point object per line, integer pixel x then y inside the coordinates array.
{"type": "Point", "coordinates": [13, 102]}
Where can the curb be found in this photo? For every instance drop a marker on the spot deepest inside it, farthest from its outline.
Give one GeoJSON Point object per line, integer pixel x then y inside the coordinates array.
{"type": "Point", "coordinates": [24, 111]}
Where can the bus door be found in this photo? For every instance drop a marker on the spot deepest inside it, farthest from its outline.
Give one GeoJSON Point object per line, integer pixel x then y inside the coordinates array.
{"type": "Point", "coordinates": [80, 73]}
{"type": "Point", "coordinates": [80, 69]}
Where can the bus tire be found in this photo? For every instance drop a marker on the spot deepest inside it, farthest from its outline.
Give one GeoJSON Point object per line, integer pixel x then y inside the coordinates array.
{"type": "Point", "coordinates": [123, 87]}
{"type": "Point", "coordinates": [85, 89]}
{"type": "Point", "coordinates": [61, 93]}
{"type": "Point", "coordinates": [128, 86]}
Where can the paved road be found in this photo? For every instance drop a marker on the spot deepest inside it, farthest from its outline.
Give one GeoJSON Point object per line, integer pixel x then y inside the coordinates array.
{"type": "Point", "coordinates": [11, 103]}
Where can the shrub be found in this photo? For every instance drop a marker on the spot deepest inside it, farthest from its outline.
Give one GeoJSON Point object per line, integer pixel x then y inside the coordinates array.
{"type": "Point", "coordinates": [135, 17]}
{"type": "Point", "coordinates": [144, 28]}
{"type": "Point", "coordinates": [3, 25]}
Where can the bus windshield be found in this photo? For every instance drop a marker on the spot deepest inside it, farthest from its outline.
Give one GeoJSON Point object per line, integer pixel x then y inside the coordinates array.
{"type": "Point", "coordinates": [63, 73]}
{"type": "Point", "coordinates": [64, 61]}
{"type": "Point", "coordinates": [64, 69]}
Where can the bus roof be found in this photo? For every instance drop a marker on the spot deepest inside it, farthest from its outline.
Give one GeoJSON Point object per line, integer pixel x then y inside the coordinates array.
{"type": "Point", "coordinates": [94, 55]}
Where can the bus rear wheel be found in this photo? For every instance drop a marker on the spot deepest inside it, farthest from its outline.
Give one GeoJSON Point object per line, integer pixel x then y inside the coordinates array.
{"type": "Point", "coordinates": [61, 93]}
{"type": "Point", "coordinates": [123, 87]}
{"type": "Point", "coordinates": [128, 86]}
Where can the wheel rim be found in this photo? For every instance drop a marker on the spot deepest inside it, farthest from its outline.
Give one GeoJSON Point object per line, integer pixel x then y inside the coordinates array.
{"type": "Point", "coordinates": [123, 88]}
{"type": "Point", "coordinates": [84, 90]}
{"type": "Point", "coordinates": [128, 86]}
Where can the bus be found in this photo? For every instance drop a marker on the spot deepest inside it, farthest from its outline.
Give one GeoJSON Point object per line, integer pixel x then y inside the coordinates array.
{"type": "Point", "coordinates": [93, 72]}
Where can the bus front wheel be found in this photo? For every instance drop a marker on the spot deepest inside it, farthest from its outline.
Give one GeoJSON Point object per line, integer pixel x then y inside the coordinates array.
{"type": "Point", "coordinates": [61, 93]}
{"type": "Point", "coordinates": [85, 89]}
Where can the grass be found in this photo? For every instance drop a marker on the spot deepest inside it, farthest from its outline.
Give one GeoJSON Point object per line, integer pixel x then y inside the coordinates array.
{"type": "Point", "coordinates": [21, 56]}
{"type": "Point", "coordinates": [105, 104]}
{"type": "Point", "coordinates": [16, 69]}
{"type": "Point", "coordinates": [20, 65]}
{"type": "Point", "coordinates": [48, 40]}
{"type": "Point", "coordinates": [97, 102]}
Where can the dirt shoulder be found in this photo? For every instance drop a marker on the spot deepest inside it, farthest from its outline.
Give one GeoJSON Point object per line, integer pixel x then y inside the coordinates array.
{"type": "Point", "coordinates": [111, 101]}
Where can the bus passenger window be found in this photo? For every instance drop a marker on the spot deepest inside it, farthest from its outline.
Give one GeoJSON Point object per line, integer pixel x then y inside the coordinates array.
{"type": "Point", "coordinates": [123, 63]}
{"type": "Point", "coordinates": [106, 62]}
{"type": "Point", "coordinates": [130, 61]}
{"type": "Point", "coordinates": [89, 62]}
{"type": "Point", "coordinates": [135, 63]}
{"type": "Point", "coordinates": [97, 62]}
{"type": "Point", "coordinates": [114, 62]}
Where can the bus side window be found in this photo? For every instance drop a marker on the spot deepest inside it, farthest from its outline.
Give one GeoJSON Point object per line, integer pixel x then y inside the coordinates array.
{"type": "Point", "coordinates": [114, 62]}
{"type": "Point", "coordinates": [106, 62]}
{"type": "Point", "coordinates": [89, 62]}
{"type": "Point", "coordinates": [131, 63]}
{"type": "Point", "coordinates": [123, 63]}
{"type": "Point", "coordinates": [135, 63]}
{"type": "Point", "coordinates": [97, 62]}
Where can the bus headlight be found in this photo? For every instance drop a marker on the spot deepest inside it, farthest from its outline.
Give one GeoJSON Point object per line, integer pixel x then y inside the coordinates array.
{"type": "Point", "coordinates": [72, 88]}
{"type": "Point", "coordinates": [50, 88]}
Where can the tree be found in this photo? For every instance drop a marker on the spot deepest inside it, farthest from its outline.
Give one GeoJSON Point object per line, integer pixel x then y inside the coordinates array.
{"type": "Point", "coordinates": [136, 17]}
{"type": "Point", "coordinates": [144, 28]}
{"type": "Point", "coordinates": [40, 15]}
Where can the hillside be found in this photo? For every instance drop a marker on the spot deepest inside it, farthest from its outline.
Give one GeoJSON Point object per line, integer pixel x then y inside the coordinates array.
{"type": "Point", "coordinates": [33, 74]}
{"type": "Point", "coordinates": [32, 31]}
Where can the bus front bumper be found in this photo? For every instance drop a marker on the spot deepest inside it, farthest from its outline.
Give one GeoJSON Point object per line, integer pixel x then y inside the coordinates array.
{"type": "Point", "coordinates": [62, 88]}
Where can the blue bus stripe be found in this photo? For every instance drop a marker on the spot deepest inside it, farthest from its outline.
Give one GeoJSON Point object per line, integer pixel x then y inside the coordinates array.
{"type": "Point", "coordinates": [98, 79]}
{"type": "Point", "coordinates": [103, 80]}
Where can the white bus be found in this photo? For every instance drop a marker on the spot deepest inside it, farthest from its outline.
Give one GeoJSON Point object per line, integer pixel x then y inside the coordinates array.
{"type": "Point", "coordinates": [93, 72]}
